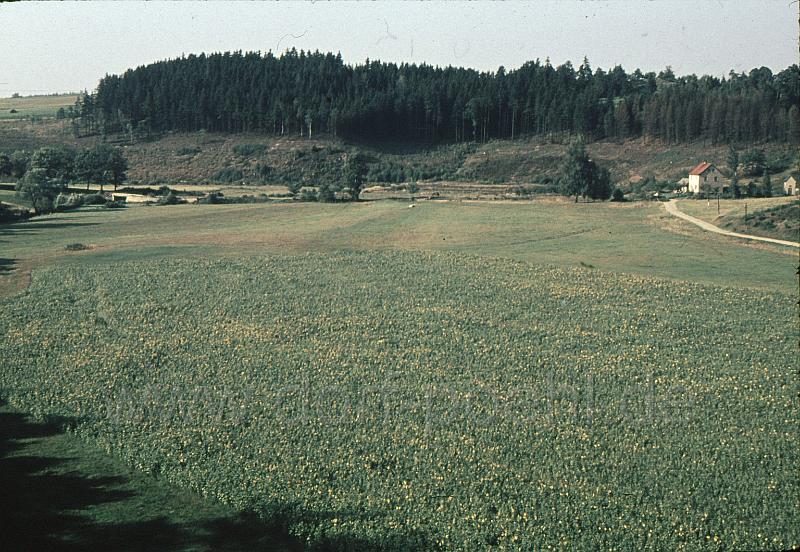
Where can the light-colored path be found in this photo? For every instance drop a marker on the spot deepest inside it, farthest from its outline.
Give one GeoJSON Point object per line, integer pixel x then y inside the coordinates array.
{"type": "Point", "coordinates": [672, 208]}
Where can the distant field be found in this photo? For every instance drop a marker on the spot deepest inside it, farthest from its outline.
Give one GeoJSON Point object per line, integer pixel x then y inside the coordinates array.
{"type": "Point", "coordinates": [37, 106]}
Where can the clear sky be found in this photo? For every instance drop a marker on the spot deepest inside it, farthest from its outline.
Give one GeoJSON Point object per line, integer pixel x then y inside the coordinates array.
{"type": "Point", "coordinates": [57, 47]}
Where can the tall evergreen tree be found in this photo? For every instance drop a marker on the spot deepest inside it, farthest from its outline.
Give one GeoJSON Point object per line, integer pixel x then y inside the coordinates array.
{"type": "Point", "coordinates": [308, 94]}
{"type": "Point", "coordinates": [766, 185]}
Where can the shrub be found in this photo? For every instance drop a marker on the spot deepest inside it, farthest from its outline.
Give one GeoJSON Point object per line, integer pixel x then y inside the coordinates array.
{"type": "Point", "coordinates": [260, 198]}
{"type": "Point", "coordinates": [308, 194]}
{"type": "Point", "coordinates": [294, 187]}
{"type": "Point", "coordinates": [618, 195]}
{"type": "Point", "coordinates": [212, 199]}
{"type": "Point", "coordinates": [229, 174]}
{"type": "Point", "coordinates": [189, 151]}
{"type": "Point", "coordinates": [246, 150]}
{"type": "Point", "coordinates": [115, 205]}
{"type": "Point", "coordinates": [94, 199]}
{"type": "Point", "coordinates": [9, 214]}
{"type": "Point", "coordinates": [65, 202]}
{"type": "Point", "coordinates": [170, 199]}
{"type": "Point", "coordinates": [263, 172]}
{"type": "Point", "coordinates": [76, 247]}
{"type": "Point", "coordinates": [779, 161]}
{"type": "Point", "coordinates": [753, 162]}
{"type": "Point", "coordinates": [327, 192]}
{"type": "Point", "coordinates": [519, 191]}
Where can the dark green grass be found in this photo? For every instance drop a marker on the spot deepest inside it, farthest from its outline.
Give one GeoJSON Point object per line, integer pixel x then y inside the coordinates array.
{"type": "Point", "coordinates": [684, 442]}
{"type": "Point", "coordinates": [198, 251]}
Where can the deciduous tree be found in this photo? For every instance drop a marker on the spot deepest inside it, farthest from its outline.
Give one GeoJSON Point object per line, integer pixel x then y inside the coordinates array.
{"type": "Point", "coordinates": [39, 189]}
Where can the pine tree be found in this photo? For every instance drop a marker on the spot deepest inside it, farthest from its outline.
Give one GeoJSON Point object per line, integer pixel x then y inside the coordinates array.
{"type": "Point", "coordinates": [575, 175]}
{"type": "Point", "coordinates": [766, 185]}
{"type": "Point", "coordinates": [313, 93]}
{"type": "Point", "coordinates": [355, 173]}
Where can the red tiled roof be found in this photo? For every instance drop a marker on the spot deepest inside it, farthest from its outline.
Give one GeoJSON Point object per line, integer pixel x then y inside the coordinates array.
{"type": "Point", "coordinates": [701, 168]}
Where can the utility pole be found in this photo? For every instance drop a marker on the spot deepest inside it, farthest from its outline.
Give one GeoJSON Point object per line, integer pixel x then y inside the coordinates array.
{"type": "Point", "coordinates": [717, 201]}
{"type": "Point", "coordinates": [745, 215]}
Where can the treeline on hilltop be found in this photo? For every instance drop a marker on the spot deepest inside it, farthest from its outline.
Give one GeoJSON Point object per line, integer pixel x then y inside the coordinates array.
{"type": "Point", "coordinates": [309, 93]}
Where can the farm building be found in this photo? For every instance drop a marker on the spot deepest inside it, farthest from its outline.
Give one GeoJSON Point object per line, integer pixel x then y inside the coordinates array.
{"type": "Point", "coordinates": [683, 185]}
{"type": "Point", "coordinates": [705, 177]}
{"type": "Point", "coordinates": [790, 185]}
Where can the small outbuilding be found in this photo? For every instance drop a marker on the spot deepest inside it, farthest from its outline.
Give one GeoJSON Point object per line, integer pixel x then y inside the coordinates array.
{"type": "Point", "coordinates": [790, 184]}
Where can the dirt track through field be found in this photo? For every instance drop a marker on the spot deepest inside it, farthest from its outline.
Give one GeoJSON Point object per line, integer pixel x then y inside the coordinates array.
{"type": "Point", "coordinates": [672, 208]}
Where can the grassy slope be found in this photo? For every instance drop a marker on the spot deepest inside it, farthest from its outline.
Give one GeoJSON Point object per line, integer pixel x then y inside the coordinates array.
{"type": "Point", "coordinates": [631, 238]}
{"type": "Point", "coordinates": [782, 211]}
{"type": "Point", "coordinates": [63, 494]}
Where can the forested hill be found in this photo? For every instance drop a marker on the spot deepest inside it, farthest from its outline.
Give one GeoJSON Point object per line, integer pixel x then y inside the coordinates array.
{"type": "Point", "coordinates": [311, 93]}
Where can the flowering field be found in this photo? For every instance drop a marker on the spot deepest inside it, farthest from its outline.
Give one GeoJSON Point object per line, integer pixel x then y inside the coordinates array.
{"type": "Point", "coordinates": [429, 400]}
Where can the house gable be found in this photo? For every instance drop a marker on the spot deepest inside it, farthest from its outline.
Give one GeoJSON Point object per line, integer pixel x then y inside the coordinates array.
{"type": "Point", "coordinates": [701, 169]}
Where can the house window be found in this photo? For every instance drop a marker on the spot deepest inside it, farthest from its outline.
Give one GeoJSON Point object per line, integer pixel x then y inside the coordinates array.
{"type": "Point", "coordinates": [705, 179]}
{"type": "Point", "coordinates": [715, 179]}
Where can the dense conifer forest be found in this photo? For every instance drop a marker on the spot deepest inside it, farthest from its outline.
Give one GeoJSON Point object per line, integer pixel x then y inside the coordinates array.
{"type": "Point", "coordinates": [307, 94]}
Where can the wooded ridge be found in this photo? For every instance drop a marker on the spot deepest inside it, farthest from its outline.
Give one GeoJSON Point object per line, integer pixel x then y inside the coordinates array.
{"type": "Point", "coordinates": [309, 93]}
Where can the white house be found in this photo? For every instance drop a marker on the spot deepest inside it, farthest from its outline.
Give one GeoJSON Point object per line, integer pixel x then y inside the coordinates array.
{"type": "Point", "coordinates": [705, 177]}
{"type": "Point", "coordinates": [790, 186]}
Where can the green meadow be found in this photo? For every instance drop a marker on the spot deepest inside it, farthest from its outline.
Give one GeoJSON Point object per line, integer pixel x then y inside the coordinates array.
{"type": "Point", "coordinates": [636, 238]}
{"type": "Point", "coordinates": [453, 376]}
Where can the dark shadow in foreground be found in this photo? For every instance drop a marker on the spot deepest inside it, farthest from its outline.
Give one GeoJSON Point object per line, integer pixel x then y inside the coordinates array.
{"type": "Point", "coordinates": [43, 503]}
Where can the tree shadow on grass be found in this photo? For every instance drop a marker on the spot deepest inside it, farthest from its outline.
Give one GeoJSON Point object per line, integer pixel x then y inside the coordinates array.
{"type": "Point", "coordinates": [44, 505]}
{"type": "Point", "coordinates": [7, 265]}
{"type": "Point", "coordinates": [34, 226]}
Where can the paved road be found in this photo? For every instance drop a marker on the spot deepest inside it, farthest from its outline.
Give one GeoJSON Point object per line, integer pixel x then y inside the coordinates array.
{"type": "Point", "coordinates": [672, 208]}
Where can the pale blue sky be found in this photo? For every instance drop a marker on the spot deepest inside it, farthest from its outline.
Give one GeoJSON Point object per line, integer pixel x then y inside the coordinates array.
{"type": "Point", "coordinates": [56, 47]}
